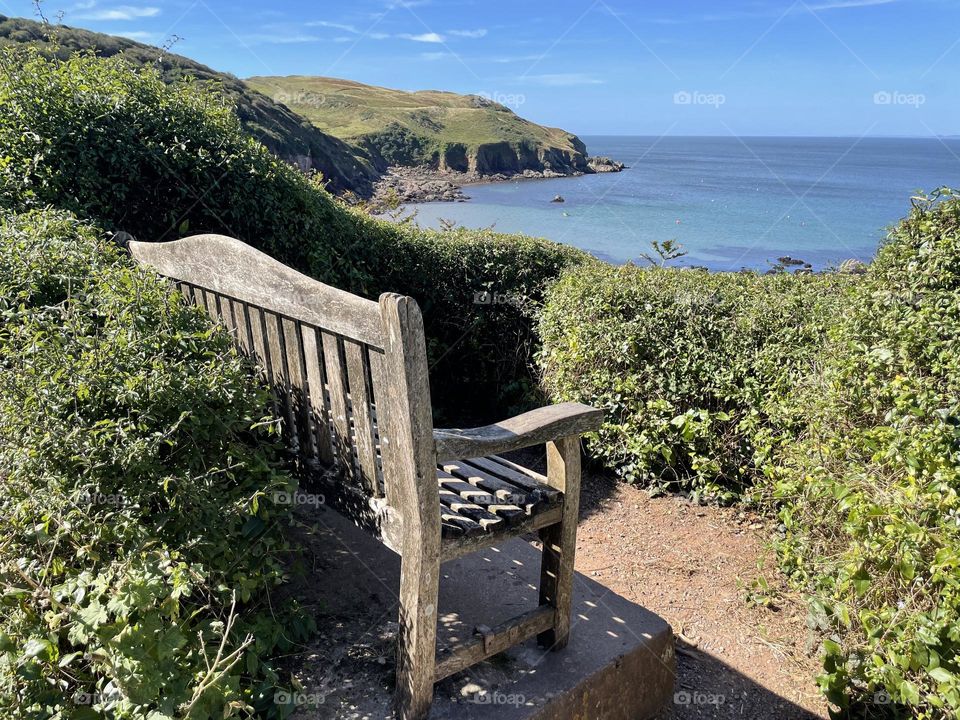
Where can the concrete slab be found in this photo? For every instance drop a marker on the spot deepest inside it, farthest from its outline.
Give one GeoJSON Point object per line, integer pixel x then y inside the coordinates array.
{"type": "Point", "coordinates": [619, 664]}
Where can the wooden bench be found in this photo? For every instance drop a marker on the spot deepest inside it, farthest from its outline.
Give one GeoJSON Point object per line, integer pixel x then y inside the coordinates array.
{"type": "Point", "coordinates": [352, 391]}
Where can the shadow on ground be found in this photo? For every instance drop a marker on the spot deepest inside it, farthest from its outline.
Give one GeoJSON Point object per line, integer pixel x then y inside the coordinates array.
{"type": "Point", "coordinates": [620, 663]}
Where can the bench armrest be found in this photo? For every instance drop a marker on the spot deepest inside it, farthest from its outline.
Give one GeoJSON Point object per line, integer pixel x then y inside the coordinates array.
{"type": "Point", "coordinates": [531, 428]}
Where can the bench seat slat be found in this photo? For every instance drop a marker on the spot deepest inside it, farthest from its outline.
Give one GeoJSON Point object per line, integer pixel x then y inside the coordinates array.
{"type": "Point", "coordinates": [530, 499]}
{"type": "Point", "coordinates": [513, 473]}
{"type": "Point", "coordinates": [457, 504]}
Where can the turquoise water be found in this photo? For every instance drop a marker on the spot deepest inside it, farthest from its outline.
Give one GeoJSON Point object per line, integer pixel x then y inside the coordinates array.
{"type": "Point", "coordinates": [731, 202]}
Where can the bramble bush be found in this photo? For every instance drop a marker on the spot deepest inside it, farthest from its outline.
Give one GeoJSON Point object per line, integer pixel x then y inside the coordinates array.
{"type": "Point", "coordinates": [111, 142]}
{"type": "Point", "coordinates": [137, 469]}
{"type": "Point", "coordinates": [687, 365]}
{"type": "Point", "coordinates": [869, 493]}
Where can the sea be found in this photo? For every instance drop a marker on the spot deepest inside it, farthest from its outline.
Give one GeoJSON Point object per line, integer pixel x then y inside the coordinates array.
{"type": "Point", "coordinates": [731, 203]}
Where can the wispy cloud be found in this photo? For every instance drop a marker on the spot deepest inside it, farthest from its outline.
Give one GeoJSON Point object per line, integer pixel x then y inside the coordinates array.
{"type": "Point", "coordinates": [564, 79]}
{"type": "Point", "coordinates": [434, 56]}
{"type": "Point", "coordinates": [516, 58]}
{"type": "Point", "coordinates": [840, 4]}
{"type": "Point", "coordinates": [333, 25]}
{"type": "Point", "coordinates": [141, 35]}
{"type": "Point", "coordinates": [428, 37]}
{"type": "Point", "coordinates": [473, 34]}
{"type": "Point", "coordinates": [121, 12]}
{"type": "Point", "coordinates": [797, 9]}
{"type": "Point", "coordinates": [281, 38]}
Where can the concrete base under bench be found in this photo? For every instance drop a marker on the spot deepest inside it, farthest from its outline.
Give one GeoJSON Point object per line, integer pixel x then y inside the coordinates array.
{"type": "Point", "coordinates": [619, 664]}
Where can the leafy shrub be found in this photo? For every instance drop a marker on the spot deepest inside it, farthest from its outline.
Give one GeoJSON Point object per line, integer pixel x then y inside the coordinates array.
{"type": "Point", "coordinates": [479, 292]}
{"type": "Point", "coordinates": [869, 496]}
{"type": "Point", "coordinates": [114, 144]}
{"type": "Point", "coordinates": [136, 475]}
{"type": "Point", "coordinates": [111, 142]}
{"type": "Point", "coordinates": [285, 133]}
{"type": "Point", "coordinates": [396, 145]}
{"type": "Point", "coordinates": [687, 364]}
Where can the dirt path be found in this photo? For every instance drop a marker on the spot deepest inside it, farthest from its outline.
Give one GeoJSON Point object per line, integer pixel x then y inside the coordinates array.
{"type": "Point", "coordinates": [693, 566]}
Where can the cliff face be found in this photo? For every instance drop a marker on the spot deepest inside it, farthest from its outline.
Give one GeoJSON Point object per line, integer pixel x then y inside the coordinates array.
{"type": "Point", "coordinates": [430, 129]}
{"type": "Point", "coordinates": [505, 158]}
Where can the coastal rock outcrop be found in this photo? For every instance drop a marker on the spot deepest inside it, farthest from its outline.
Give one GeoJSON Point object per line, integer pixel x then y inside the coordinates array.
{"type": "Point", "coordinates": [603, 164]}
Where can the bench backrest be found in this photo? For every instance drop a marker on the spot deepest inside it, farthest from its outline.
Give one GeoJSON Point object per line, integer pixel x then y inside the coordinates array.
{"type": "Point", "coordinates": [349, 375]}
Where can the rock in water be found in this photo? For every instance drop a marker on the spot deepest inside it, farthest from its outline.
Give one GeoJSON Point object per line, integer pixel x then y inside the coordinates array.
{"type": "Point", "coordinates": [558, 198]}
{"type": "Point", "coordinates": [788, 261]}
{"type": "Point", "coordinates": [604, 164]}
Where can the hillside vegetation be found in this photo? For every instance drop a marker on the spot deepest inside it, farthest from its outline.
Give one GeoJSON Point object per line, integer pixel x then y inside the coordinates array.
{"type": "Point", "coordinates": [138, 475]}
{"type": "Point", "coordinates": [282, 131]}
{"type": "Point", "coordinates": [465, 133]}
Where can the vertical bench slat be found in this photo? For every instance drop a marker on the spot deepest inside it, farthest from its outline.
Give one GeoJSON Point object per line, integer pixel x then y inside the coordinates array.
{"type": "Point", "coordinates": [318, 402]}
{"type": "Point", "coordinates": [380, 389]}
{"type": "Point", "coordinates": [186, 289]}
{"type": "Point", "coordinates": [293, 364]}
{"type": "Point", "coordinates": [336, 384]}
{"type": "Point", "coordinates": [209, 303]}
{"type": "Point", "coordinates": [363, 427]}
{"type": "Point", "coordinates": [233, 324]}
{"type": "Point", "coordinates": [309, 433]}
{"type": "Point", "coordinates": [257, 338]}
{"type": "Point", "coordinates": [276, 345]}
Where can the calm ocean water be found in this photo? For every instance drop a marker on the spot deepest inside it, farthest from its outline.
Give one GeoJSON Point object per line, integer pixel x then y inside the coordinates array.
{"type": "Point", "coordinates": [732, 203]}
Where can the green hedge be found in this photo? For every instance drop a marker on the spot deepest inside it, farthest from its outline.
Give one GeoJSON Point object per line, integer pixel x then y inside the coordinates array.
{"type": "Point", "coordinates": [869, 496]}
{"type": "Point", "coordinates": [114, 144]}
{"type": "Point", "coordinates": [688, 365]}
{"type": "Point", "coordinates": [137, 470]}
{"type": "Point", "coordinates": [111, 142]}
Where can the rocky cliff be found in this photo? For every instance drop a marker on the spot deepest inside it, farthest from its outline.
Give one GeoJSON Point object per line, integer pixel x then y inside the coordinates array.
{"type": "Point", "coordinates": [440, 130]}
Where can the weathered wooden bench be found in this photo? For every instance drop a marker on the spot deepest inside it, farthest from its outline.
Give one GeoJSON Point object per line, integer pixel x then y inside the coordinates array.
{"type": "Point", "coordinates": [351, 386]}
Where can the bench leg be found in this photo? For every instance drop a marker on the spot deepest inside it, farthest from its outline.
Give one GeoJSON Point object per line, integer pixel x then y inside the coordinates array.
{"type": "Point", "coordinates": [417, 639]}
{"type": "Point", "coordinates": [560, 541]}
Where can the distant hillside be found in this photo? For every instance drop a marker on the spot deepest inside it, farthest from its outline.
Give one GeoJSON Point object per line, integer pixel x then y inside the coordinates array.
{"type": "Point", "coordinates": [285, 133]}
{"type": "Point", "coordinates": [464, 133]}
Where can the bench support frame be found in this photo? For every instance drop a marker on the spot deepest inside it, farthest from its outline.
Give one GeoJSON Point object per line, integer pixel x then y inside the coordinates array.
{"type": "Point", "coordinates": [347, 371]}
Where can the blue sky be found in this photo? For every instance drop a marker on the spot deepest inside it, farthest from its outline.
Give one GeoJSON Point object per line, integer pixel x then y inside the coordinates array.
{"type": "Point", "coordinates": [743, 67]}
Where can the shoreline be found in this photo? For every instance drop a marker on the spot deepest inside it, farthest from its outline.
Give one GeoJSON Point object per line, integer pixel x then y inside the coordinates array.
{"type": "Point", "coordinates": [405, 185]}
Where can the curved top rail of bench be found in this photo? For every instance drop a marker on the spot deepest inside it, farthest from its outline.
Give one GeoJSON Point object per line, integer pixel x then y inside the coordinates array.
{"type": "Point", "coordinates": [230, 267]}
